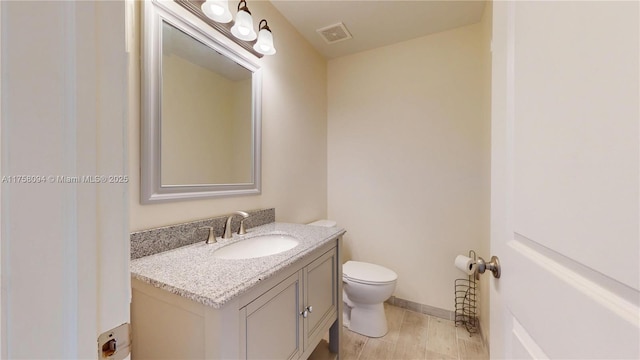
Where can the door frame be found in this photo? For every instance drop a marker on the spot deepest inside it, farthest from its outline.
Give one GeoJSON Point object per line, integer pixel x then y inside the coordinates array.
{"type": "Point", "coordinates": [94, 295]}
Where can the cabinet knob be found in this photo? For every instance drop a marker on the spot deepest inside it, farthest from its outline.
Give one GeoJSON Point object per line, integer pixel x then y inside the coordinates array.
{"type": "Point", "coordinates": [307, 311]}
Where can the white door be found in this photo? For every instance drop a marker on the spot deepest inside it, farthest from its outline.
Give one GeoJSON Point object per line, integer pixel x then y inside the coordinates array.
{"type": "Point", "coordinates": [565, 183]}
{"type": "Point", "coordinates": [65, 248]}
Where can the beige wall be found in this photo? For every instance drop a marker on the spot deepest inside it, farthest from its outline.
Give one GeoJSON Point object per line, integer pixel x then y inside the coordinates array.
{"type": "Point", "coordinates": [294, 143]}
{"type": "Point", "coordinates": [408, 158]}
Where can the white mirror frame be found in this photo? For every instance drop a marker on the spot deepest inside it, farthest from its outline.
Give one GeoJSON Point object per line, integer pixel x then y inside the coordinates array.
{"type": "Point", "coordinates": [151, 189]}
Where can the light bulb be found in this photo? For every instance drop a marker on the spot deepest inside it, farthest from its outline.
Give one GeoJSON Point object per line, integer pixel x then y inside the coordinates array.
{"type": "Point", "coordinates": [243, 28]}
{"type": "Point", "coordinates": [264, 45]}
{"type": "Point", "coordinates": [217, 10]}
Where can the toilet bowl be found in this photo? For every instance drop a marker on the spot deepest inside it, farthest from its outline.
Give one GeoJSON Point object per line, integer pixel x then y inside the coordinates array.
{"type": "Point", "coordinates": [365, 287]}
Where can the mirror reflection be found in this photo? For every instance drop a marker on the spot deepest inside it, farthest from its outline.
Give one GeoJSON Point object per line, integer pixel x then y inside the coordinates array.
{"type": "Point", "coordinates": [206, 132]}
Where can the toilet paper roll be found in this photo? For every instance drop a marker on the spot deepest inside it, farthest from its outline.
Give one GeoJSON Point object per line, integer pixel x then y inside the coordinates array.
{"type": "Point", "coordinates": [465, 264]}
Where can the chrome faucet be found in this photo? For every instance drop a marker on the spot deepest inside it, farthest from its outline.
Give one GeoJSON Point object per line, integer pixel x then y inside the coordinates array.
{"type": "Point", "coordinates": [227, 226]}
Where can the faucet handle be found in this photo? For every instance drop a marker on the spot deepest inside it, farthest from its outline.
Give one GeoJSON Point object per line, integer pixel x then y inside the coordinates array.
{"type": "Point", "coordinates": [242, 230]}
{"type": "Point", "coordinates": [245, 215]}
{"type": "Point", "coordinates": [212, 238]}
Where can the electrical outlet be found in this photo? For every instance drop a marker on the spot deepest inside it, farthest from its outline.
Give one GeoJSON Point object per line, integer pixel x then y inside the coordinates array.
{"type": "Point", "coordinates": [115, 344]}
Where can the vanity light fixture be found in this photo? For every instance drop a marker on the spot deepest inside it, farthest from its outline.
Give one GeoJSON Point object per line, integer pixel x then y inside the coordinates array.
{"type": "Point", "coordinates": [241, 31]}
{"type": "Point", "coordinates": [217, 10]}
{"type": "Point", "coordinates": [243, 28]}
{"type": "Point", "coordinates": [264, 45]}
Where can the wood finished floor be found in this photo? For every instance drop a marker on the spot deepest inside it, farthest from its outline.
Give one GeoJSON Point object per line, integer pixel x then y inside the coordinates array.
{"type": "Point", "coordinates": [411, 336]}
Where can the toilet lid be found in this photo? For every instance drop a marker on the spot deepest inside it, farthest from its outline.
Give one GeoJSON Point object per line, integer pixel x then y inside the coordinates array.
{"type": "Point", "coordinates": [371, 273]}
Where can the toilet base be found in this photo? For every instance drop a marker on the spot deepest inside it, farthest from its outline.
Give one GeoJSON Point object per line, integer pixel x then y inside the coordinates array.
{"type": "Point", "coordinates": [346, 316]}
{"type": "Point", "coordinates": [368, 320]}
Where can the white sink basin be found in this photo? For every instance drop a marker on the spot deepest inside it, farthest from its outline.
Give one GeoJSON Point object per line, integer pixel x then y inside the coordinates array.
{"type": "Point", "coordinates": [258, 246]}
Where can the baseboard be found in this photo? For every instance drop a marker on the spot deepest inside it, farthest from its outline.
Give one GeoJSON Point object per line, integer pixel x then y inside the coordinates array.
{"type": "Point", "coordinates": [422, 308]}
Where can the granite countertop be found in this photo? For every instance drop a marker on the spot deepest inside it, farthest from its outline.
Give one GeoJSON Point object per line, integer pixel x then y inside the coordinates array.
{"type": "Point", "coordinates": [192, 271]}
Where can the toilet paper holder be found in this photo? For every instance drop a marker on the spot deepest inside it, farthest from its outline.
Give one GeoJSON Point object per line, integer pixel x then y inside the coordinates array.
{"type": "Point", "coordinates": [493, 265]}
{"type": "Point", "coordinates": [466, 298]}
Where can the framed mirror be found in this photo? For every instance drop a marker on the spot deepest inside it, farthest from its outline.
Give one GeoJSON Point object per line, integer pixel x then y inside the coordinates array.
{"type": "Point", "coordinates": [200, 114]}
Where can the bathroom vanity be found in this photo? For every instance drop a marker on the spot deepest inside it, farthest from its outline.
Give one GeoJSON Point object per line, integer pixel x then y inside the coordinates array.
{"type": "Point", "coordinates": [189, 304]}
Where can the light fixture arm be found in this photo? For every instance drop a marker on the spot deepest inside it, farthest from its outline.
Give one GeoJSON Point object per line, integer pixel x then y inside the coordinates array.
{"type": "Point", "coordinates": [243, 8]}
{"type": "Point", "coordinates": [265, 27]}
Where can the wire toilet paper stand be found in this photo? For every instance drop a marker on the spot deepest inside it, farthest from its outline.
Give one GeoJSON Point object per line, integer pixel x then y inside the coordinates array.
{"type": "Point", "coordinates": [466, 300]}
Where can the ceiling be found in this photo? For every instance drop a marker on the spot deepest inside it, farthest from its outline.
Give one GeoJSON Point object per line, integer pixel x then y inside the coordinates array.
{"type": "Point", "coordinates": [375, 23]}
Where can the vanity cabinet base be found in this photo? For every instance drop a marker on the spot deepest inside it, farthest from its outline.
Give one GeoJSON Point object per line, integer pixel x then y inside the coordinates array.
{"type": "Point", "coordinates": [267, 322]}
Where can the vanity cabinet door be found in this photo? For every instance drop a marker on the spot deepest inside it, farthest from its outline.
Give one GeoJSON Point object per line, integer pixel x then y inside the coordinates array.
{"type": "Point", "coordinates": [272, 322]}
{"type": "Point", "coordinates": [320, 290]}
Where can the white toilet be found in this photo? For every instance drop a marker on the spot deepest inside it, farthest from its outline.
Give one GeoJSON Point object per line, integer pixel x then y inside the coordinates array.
{"type": "Point", "coordinates": [365, 287]}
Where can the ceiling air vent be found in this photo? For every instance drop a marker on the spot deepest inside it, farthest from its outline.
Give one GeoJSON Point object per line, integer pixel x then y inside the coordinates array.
{"type": "Point", "coordinates": [334, 33]}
